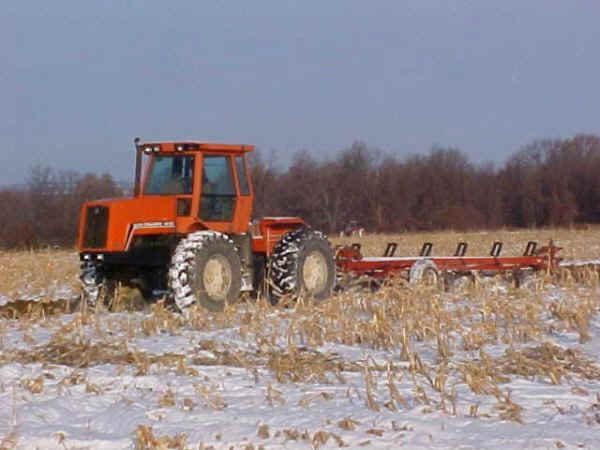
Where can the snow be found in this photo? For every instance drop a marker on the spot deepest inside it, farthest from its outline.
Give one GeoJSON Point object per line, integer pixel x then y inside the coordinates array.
{"type": "Point", "coordinates": [580, 262]}
{"type": "Point", "coordinates": [49, 404]}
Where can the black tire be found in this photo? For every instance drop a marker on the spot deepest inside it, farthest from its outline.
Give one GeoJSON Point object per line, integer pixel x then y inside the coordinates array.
{"type": "Point", "coordinates": [302, 264]}
{"type": "Point", "coordinates": [112, 289]}
{"type": "Point", "coordinates": [205, 270]}
{"type": "Point", "coordinates": [96, 288]}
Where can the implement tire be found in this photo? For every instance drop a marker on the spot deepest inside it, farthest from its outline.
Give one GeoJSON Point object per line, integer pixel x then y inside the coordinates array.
{"type": "Point", "coordinates": [302, 264]}
{"type": "Point", "coordinates": [425, 272]}
{"type": "Point", "coordinates": [205, 270]}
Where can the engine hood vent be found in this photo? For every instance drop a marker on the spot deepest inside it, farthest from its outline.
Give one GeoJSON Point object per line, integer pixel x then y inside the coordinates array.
{"type": "Point", "coordinates": [96, 226]}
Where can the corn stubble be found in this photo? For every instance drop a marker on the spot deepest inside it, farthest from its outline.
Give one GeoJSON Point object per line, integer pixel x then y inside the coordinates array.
{"type": "Point", "coordinates": [438, 351]}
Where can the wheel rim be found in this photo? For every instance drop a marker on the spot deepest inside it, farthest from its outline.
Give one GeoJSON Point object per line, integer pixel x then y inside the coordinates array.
{"type": "Point", "coordinates": [216, 277]}
{"type": "Point", "coordinates": [314, 272]}
{"type": "Point", "coordinates": [430, 277]}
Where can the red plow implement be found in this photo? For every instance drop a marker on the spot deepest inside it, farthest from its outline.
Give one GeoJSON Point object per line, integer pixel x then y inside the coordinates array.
{"type": "Point", "coordinates": [352, 265]}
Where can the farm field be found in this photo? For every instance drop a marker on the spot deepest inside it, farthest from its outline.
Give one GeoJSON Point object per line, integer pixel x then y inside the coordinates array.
{"type": "Point", "coordinates": [409, 366]}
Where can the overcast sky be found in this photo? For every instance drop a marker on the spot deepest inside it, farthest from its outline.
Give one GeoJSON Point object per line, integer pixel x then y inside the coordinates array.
{"type": "Point", "coordinates": [80, 79]}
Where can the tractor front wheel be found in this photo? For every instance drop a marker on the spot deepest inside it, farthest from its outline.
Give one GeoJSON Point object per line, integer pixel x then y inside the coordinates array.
{"type": "Point", "coordinates": [205, 270]}
{"type": "Point", "coordinates": [97, 289]}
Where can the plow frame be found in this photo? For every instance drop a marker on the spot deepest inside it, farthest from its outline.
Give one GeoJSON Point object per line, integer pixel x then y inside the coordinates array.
{"type": "Point", "coordinates": [349, 260]}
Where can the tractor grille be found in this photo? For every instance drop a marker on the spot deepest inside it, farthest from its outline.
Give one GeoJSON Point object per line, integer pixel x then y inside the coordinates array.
{"type": "Point", "coordinates": [96, 227]}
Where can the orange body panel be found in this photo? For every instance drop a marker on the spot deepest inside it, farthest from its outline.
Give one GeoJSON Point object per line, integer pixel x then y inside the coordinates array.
{"type": "Point", "coordinates": [269, 231]}
{"type": "Point", "coordinates": [133, 216]}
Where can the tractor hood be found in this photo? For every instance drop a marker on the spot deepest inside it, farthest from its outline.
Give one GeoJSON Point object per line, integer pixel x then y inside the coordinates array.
{"type": "Point", "coordinates": [108, 225]}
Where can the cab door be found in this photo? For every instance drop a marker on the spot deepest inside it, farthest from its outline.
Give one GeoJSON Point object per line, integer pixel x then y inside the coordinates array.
{"type": "Point", "coordinates": [218, 194]}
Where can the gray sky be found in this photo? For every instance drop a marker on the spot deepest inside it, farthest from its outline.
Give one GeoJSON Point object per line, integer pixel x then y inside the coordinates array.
{"type": "Point", "coordinates": [79, 79]}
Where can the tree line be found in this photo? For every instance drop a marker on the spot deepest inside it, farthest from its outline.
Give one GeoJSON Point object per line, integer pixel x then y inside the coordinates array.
{"type": "Point", "coordinates": [45, 211]}
{"type": "Point", "coordinates": [549, 182]}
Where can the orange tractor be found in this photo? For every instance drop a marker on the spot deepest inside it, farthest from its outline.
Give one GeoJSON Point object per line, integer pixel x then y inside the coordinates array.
{"type": "Point", "coordinates": [186, 233]}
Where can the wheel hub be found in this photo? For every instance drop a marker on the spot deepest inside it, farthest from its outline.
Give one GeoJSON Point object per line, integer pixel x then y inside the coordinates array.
{"type": "Point", "coordinates": [217, 277]}
{"type": "Point", "coordinates": [314, 272]}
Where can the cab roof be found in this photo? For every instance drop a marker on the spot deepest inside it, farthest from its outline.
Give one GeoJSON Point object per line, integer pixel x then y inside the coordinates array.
{"type": "Point", "coordinates": [173, 146]}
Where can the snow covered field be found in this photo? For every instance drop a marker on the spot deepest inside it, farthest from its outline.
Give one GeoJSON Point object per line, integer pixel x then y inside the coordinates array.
{"type": "Point", "coordinates": [407, 367]}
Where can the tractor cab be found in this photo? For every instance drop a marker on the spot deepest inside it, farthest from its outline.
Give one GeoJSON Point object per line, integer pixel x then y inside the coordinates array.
{"type": "Point", "coordinates": [180, 187]}
{"type": "Point", "coordinates": [210, 181]}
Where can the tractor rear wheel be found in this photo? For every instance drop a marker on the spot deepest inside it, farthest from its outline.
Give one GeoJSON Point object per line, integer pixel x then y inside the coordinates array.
{"type": "Point", "coordinates": [205, 270]}
{"type": "Point", "coordinates": [302, 264]}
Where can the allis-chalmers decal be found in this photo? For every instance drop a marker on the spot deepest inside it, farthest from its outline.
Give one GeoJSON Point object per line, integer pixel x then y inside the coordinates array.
{"type": "Point", "coordinates": [137, 226]}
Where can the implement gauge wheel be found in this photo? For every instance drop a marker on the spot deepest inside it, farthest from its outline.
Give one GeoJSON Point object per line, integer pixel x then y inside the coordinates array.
{"type": "Point", "coordinates": [425, 272]}
{"type": "Point", "coordinates": [302, 264]}
{"type": "Point", "coordinates": [205, 270]}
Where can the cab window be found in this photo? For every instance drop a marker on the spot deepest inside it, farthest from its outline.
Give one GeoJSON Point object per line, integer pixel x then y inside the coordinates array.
{"type": "Point", "coordinates": [241, 174]}
{"type": "Point", "coordinates": [217, 202]}
{"type": "Point", "coordinates": [170, 175]}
